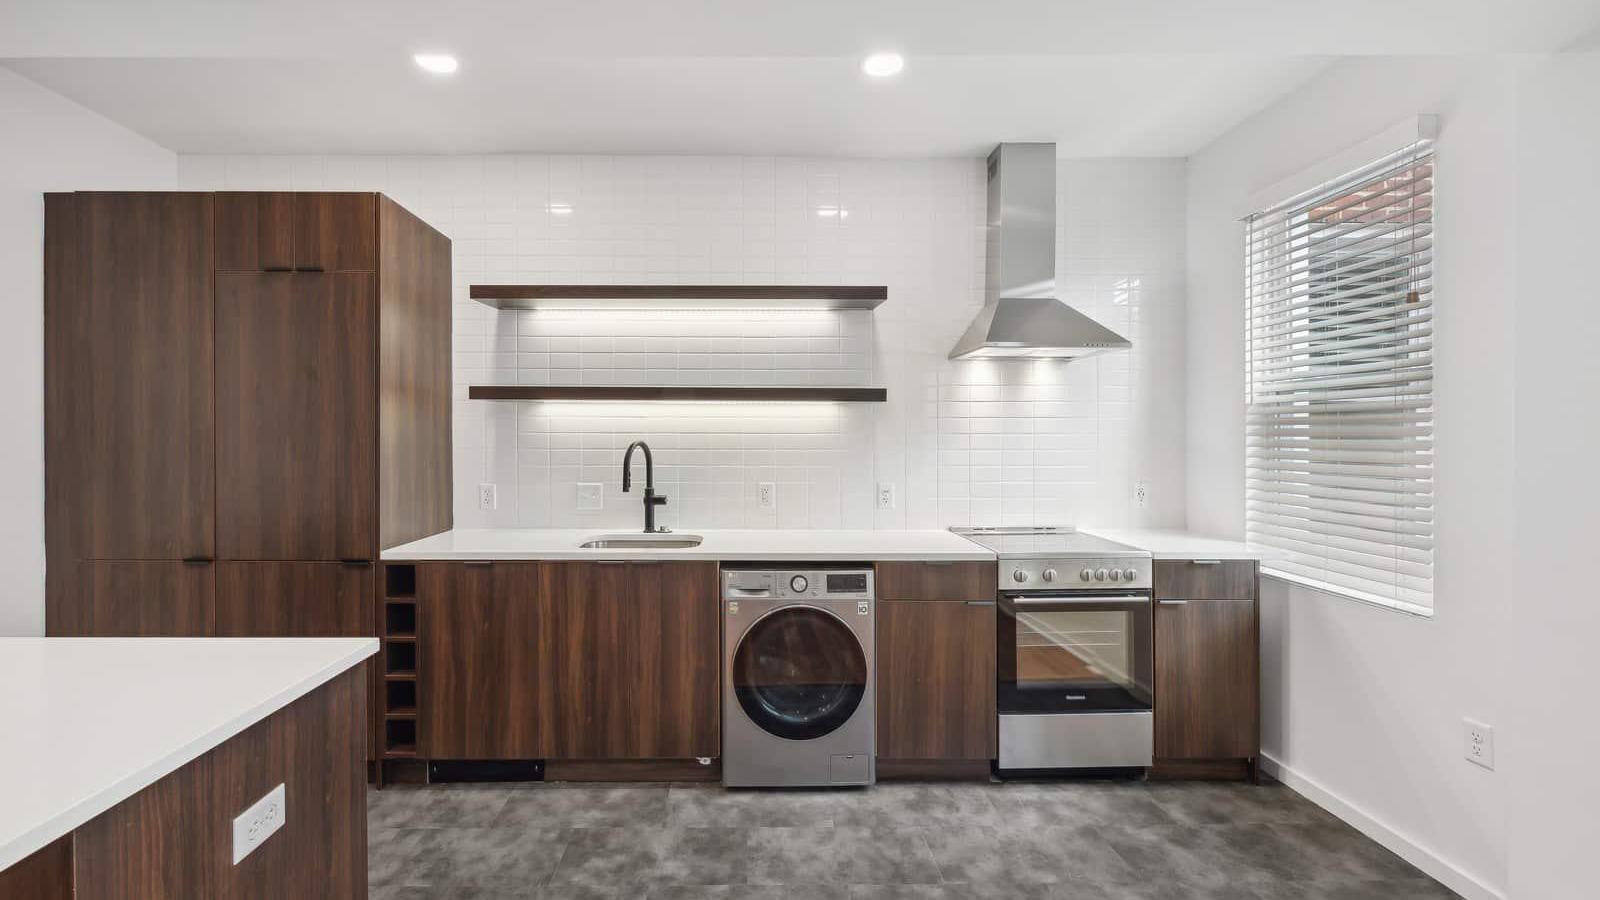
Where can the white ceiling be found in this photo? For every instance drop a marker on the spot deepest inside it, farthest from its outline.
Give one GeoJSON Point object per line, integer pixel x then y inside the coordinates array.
{"type": "Point", "coordinates": [1099, 77]}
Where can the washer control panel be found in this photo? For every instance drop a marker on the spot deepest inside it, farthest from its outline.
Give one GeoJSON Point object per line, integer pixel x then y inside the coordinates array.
{"type": "Point", "coordinates": [854, 583]}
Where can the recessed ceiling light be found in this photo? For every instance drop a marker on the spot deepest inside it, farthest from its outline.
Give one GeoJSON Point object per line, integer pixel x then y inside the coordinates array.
{"type": "Point", "coordinates": [438, 63]}
{"type": "Point", "coordinates": [882, 65]}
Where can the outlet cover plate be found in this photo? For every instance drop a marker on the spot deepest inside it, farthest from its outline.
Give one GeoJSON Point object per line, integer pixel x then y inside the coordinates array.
{"type": "Point", "coordinates": [252, 827]}
{"type": "Point", "coordinates": [886, 495]}
{"type": "Point", "coordinates": [488, 496]}
{"type": "Point", "coordinates": [766, 495]}
{"type": "Point", "coordinates": [1479, 743]}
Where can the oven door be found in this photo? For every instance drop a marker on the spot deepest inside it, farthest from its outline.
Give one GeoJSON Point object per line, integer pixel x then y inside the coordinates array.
{"type": "Point", "coordinates": [1079, 652]}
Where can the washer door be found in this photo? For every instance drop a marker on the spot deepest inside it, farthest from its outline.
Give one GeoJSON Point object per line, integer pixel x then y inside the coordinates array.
{"type": "Point", "coordinates": [799, 673]}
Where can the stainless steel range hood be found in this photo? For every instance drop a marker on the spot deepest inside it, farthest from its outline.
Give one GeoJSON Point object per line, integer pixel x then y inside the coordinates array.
{"type": "Point", "coordinates": [1021, 316]}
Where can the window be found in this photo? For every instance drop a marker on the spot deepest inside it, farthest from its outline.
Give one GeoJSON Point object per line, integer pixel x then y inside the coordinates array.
{"type": "Point", "coordinates": [1339, 381]}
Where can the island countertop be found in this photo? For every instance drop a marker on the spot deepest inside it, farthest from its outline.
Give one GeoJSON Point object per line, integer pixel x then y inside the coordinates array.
{"type": "Point", "coordinates": [723, 545]}
{"type": "Point", "coordinates": [92, 721]}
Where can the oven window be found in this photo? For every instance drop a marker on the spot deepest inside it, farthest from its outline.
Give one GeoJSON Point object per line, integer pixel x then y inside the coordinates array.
{"type": "Point", "coordinates": [1072, 659]}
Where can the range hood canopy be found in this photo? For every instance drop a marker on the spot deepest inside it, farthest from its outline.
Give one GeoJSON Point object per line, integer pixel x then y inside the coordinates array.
{"type": "Point", "coordinates": [1021, 316]}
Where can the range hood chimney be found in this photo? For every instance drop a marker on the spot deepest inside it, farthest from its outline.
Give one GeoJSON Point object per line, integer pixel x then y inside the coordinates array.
{"type": "Point", "coordinates": [1021, 316]}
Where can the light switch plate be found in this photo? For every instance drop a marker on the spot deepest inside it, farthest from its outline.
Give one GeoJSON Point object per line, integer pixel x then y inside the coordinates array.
{"type": "Point", "coordinates": [589, 495]}
{"type": "Point", "coordinates": [252, 827]}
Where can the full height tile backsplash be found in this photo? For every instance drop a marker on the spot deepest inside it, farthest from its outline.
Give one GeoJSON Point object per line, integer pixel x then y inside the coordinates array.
{"type": "Point", "coordinates": [962, 442]}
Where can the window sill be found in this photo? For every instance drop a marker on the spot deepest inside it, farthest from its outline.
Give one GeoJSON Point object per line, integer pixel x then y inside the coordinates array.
{"type": "Point", "coordinates": [1362, 597]}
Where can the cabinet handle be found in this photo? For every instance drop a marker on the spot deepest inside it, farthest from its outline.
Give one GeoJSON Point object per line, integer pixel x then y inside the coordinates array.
{"type": "Point", "coordinates": [610, 562]}
{"type": "Point", "coordinates": [980, 602]}
{"type": "Point", "coordinates": [1206, 562]}
{"type": "Point", "coordinates": [277, 268]}
{"type": "Point", "coordinates": [197, 560]}
{"type": "Point", "coordinates": [356, 563]}
{"type": "Point", "coordinates": [478, 563]}
{"type": "Point", "coordinates": [1173, 602]}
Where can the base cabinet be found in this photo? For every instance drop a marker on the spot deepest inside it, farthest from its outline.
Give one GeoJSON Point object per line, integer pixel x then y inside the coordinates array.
{"type": "Point", "coordinates": [1207, 662]}
{"type": "Point", "coordinates": [568, 661]}
{"type": "Point", "coordinates": [936, 680]}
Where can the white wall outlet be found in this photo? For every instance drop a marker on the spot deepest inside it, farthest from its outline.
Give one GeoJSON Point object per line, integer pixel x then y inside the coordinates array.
{"type": "Point", "coordinates": [589, 495]}
{"type": "Point", "coordinates": [252, 827]}
{"type": "Point", "coordinates": [488, 496]}
{"type": "Point", "coordinates": [1141, 494]}
{"type": "Point", "coordinates": [886, 495]}
{"type": "Point", "coordinates": [766, 495]}
{"type": "Point", "coordinates": [1479, 742]}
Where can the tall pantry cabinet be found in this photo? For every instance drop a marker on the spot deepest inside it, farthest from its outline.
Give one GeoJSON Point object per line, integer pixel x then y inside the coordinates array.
{"type": "Point", "coordinates": [247, 397]}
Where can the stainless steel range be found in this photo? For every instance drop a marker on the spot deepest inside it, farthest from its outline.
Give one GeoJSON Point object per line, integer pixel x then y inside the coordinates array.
{"type": "Point", "coordinates": [1075, 649]}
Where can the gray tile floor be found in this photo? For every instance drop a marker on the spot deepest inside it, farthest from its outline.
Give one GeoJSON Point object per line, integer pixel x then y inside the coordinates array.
{"type": "Point", "coordinates": [1029, 841]}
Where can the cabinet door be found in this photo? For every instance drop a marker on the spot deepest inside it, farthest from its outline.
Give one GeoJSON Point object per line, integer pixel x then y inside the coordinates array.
{"type": "Point", "coordinates": [335, 232]}
{"type": "Point", "coordinates": [1207, 695]}
{"type": "Point", "coordinates": [936, 679]}
{"type": "Point", "coordinates": [629, 661]}
{"type": "Point", "coordinates": [482, 651]}
{"type": "Point", "coordinates": [293, 599]}
{"type": "Point", "coordinates": [142, 599]}
{"type": "Point", "coordinates": [296, 416]}
{"type": "Point", "coordinates": [255, 232]}
{"type": "Point", "coordinates": [132, 385]}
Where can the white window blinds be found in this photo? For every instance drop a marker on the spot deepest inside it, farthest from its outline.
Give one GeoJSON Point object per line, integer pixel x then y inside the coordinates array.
{"type": "Point", "coordinates": [1339, 355]}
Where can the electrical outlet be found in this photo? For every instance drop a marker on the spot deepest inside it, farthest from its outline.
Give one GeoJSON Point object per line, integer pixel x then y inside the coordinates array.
{"type": "Point", "coordinates": [589, 496]}
{"type": "Point", "coordinates": [886, 495]}
{"type": "Point", "coordinates": [488, 496]}
{"type": "Point", "coordinates": [1479, 743]}
{"type": "Point", "coordinates": [252, 827]}
{"type": "Point", "coordinates": [1141, 493]}
{"type": "Point", "coordinates": [766, 495]}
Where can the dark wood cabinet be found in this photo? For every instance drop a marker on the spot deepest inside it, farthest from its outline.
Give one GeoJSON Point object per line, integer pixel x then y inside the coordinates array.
{"type": "Point", "coordinates": [569, 661]}
{"type": "Point", "coordinates": [936, 580]}
{"type": "Point", "coordinates": [255, 231]}
{"type": "Point", "coordinates": [335, 232]}
{"type": "Point", "coordinates": [936, 680]}
{"type": "Point", "coordinates": [293, 599]}
{"type": "Point", "coordinates": [296, 416]}
{"type": "Point", "coordinates": [129, 427]}
{"type": "Point", "coordinates": [1207, 662]}
{"type": "Point", "coordinates": [141, 599]}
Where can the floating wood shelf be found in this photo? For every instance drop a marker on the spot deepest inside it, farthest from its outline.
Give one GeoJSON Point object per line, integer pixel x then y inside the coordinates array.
{"type": "Point", "coordinates": [679, 296]}
{"type": "Point", "coordinates": [648, 392]}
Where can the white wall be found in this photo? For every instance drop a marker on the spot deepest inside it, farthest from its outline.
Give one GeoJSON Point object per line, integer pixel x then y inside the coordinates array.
{"type": "Point", "coordinates": [963, 442]}
{"type": "Point", "coordinates": [47, 143]}
{"type": "Point", "coordinates": [1555, 825]}
{"type": "Point", "coordinates": [1363, 706]}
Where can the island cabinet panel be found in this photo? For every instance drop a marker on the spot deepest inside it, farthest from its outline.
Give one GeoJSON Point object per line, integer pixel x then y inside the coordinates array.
{"type": "Point", "coordinates": [1207, 662]}
{"type": "Point", "coordinates": [935, 581]}
{"type": "Point", "coordinates": [174, 838]}
{"type": "Point", "coordinates": [936, 680]}
{"type": "Point", "coordinates": [121, 598]}
{"type": "Point", "coordinates": [129, 424]}
{"type": "Point", "coordinates": [293, 599]}
{"type": "Point", "coordinates": [482, 642]}
{"type": "Point", "coordinates": [629, 661]}
{"type": "Point", "coordinates": [296, 416]}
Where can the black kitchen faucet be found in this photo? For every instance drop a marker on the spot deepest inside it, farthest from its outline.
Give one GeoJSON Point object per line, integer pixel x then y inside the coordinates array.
{"type": "Point", "coordinates": [651, 501]}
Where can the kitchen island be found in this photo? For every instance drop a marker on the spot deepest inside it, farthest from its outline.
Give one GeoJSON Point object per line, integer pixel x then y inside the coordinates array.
{"type": "Point", "coordinates": [127, 761]}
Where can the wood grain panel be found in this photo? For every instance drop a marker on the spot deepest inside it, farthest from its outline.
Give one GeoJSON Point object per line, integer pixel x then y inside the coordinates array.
{"type": "Point", "coordinates": [414, 374]}
{"type": "Point", "coordinates": [296, 416]}
{"type": "Point", "coordinates": [141, 599]}
{"type": "Point", "coordinates": [67, 415]}
{"type": "Point", "coordinates": [1207, 680]}
{"type": "Point", "coordinates": [936, 581]}
{"type": "Point", "coordinates": [174, 838]}
{"type": "Point", "coordinates": [335, 232]}
{"type": "Point", "coordinates": [293, 599]}
{"type": "Point", "coordinates": [255, 231]}
{"type": "Point", "coordinates": [632, 770]}
{"type": "Point", "coordinates": [1228, 579]}
{"type": "Point", "coordinates": [483, 646]}
{"type": "Point", "coordinates": [44, 875]}
{"type": "Point", "coordinates": [936, 680]}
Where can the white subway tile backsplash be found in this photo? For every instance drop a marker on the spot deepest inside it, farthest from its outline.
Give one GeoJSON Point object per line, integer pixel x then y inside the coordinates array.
{"type": "Point", "coordinates": [977, 442]}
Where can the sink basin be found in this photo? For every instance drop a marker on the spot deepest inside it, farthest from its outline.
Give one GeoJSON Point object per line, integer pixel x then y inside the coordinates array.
{"type": "Point", "coordinates": [641, 541]}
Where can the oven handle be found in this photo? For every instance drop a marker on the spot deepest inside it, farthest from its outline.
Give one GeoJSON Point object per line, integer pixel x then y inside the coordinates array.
{"type": "Point", "coordinates": [1068, 600]}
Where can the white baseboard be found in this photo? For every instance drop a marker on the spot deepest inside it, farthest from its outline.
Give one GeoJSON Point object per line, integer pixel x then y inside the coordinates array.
{"type": "Point", "coordinates": [1438, 868]}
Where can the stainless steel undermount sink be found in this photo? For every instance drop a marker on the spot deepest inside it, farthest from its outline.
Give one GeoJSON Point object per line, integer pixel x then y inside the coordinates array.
{"type": "Point", "coordinates": [641, 541]}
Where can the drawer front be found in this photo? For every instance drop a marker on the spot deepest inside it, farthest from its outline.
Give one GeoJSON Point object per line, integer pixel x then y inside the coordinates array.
{"type": "Point", "coordinates": [936, 581]}
{"type": "Point", "coordinates": [1199, 579]}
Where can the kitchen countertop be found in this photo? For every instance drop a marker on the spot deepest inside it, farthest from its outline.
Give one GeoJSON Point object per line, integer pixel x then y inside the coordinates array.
{"type": "Point", "coordinates": [775, 545]}
{"type": "Point", "coordinates": [92, 721]}
{"type": "Point", "coordinates": [1170, 544]}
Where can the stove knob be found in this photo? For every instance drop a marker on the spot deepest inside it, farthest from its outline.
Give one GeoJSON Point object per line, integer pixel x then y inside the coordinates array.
{"type": "Point", "coordinates": [1100, 574]}
{"type": "Point", "coordinates": [1049, 574]}
{"type": "Point", "coordinates": [1131, 575]}
{"type": "Point", "coordinates": [1116, 574]}
{"type": "Point", "coordinates": [1019, 576]}
{"type": "Point", "coordinates": [1086, 575]}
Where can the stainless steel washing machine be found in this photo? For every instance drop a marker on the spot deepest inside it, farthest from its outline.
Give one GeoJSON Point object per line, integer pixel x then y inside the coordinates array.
{"type": "Point", "coordinates": [797, 677]}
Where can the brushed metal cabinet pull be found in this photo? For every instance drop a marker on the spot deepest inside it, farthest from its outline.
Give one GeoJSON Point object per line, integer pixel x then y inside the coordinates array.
{"type": "Point", "coordinates": [980, 602]}
{"type": "Point", "coordinates": [478, 563]}
{"type": "Point", "coordinates": [1174, 602]}
{"type": "Point", "coordinates": [1206, 562]}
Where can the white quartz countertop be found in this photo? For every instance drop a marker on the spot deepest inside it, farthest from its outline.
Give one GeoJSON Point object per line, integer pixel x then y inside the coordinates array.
{"type": "Point", "coordinates": [1169, 544]}
{"type": "Point", "coordinates": [89, 722]}
{"type": "Point", "coordinates": [775, 545]}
